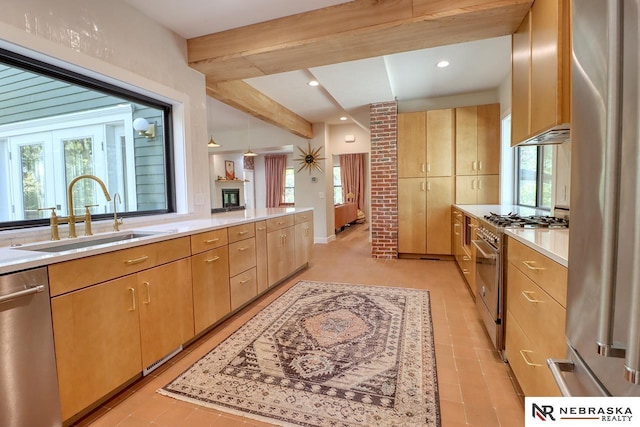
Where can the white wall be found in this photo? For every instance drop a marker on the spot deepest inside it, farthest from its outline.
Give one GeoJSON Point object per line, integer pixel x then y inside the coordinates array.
{"type": "Point", "coordinates": [114, 42]}
{"type": "Point", "coordinates": [462, 100]}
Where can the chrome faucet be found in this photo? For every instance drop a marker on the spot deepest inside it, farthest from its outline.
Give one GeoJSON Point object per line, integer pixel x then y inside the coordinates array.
{"type": "Point", "coordinates": [71, 219]}
{"type": "Point", "coordinates": [117, 222]}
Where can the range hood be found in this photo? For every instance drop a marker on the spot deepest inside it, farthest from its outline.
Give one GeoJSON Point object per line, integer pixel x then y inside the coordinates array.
{"type": "Point", "coordinates": [555, 135]}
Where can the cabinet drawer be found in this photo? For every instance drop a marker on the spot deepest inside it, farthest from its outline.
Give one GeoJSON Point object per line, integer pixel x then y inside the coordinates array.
{"type": "Point", "coordinates": [241, 232]}
{"type": "Point", "coordinates": [303, 217]}
{"type": "Point", "coordinates": [209, 240]}
{"type": "Point", "coordinates": [528, 364]}
{"type": "Point", "coordinates": [75, 274]}
{"type": "Point", "coordinates": [541, 317]}
{"type": "Point", "coordinates": [279, 222]}
{"type": "Point", "coordinates": [243, 288]}
{"type": "Point", "coordinates": [242, 256]}
{"type": "Point", "coordinates": [548, 274]}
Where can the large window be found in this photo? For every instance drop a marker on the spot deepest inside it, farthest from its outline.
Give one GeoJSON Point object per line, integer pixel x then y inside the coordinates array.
{"type": "Point", "coordinates": [534, 176]}
{"type": "Point", "coordinates": [56, 125]}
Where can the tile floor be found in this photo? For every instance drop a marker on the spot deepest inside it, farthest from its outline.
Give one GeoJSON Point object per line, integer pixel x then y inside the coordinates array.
{"type": "Point", "coordinates": [475, 386]}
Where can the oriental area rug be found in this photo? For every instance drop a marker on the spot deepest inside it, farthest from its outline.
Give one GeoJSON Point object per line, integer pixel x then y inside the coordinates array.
{"type": "Point", "coordinates": [325, 354]}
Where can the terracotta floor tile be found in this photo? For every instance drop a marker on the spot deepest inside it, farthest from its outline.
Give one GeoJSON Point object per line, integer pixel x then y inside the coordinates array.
{"type": "Point", "coordinates": [474, 384]}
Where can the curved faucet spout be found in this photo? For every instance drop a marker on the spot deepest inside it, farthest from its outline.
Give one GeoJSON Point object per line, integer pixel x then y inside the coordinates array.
{"type": "Point", "coordinates": [70, 212]}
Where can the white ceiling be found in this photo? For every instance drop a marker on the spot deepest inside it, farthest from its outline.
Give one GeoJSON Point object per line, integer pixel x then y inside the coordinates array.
{"type": "Point", "coordinates": [345, 88]}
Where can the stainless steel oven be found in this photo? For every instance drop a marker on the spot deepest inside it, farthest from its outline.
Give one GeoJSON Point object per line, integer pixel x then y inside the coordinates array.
{"type": "Point", "coordinates": [489, 291]}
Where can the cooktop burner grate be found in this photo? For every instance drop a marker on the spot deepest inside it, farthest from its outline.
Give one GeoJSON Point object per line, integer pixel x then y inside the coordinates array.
{"type": "Point", "coordinates": [533, 221]}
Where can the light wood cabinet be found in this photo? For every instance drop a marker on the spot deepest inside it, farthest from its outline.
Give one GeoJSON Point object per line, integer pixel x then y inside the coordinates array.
{"type": "Point", "coordinates": [97, 341]}
{"type": "Point", "coordinates": [423, 215]}
{"type": "Point", "coordinates": [536, 315]}
{"type": "Point", "coordinates": [242, 256]}
{"type": "Point", "coordinates": [281, 249]}
{"type": "Point", "coordinates": [166, 309]}
{"type": "Point", "coordinates": [208, 240]}
{"type": "Point", "coordinates": [478, 140]}
{"type": "Point", "coordinates": [303, 238]}
{"type": "Point", "coordinates": [243, 288]}
{"type": "Point", "coordinates": [211, 295]}
{"type": "Point", "coordinates": [262, 278]}
{"type": "Point", "coordinates": [477, 189]}
{"type": "Point", "coordinates": [412, 144]}
{"type": "Point", "coordinates": [541, 70]}
{"type": "Point", "coordinates": [425, 192]}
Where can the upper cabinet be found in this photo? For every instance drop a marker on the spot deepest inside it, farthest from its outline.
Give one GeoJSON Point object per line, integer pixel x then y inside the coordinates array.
{"type": "Point", "coordinates": [541, 74]}
{"type": "Point", "coordinates": [478, 140]}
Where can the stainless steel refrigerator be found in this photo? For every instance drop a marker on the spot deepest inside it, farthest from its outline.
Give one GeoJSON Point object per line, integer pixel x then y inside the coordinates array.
{"type": "Point", "coordinates": [603, 297]}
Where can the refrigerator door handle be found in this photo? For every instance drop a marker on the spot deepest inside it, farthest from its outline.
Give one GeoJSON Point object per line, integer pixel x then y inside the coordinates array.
{"type": "Point", "coordinates": [557, 367]}
{"type": "Point", "coordinates": [606, 347]}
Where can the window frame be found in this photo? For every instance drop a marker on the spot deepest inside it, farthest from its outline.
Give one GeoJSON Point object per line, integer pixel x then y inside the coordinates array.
{"type": "Point", "coordinates": [49, 70]}
{"type": "Point", "coordinates": [538, 180]}
{"type": "Point", "coordinates": [283, 202]}
{"type": "Point", "coordinates": [337, 186]}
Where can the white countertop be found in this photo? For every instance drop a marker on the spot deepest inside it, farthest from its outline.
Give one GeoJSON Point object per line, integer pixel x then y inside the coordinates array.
{"type": "Point", "coordinates": [553, 243]}
{"type": "Point", "coordinates": [20, 258]}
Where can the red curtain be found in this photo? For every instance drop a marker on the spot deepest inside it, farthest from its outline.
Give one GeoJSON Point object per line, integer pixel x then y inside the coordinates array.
{"type": "Point", "coordinates": [275, 166]}
{"type": "Point", "coordinates": [352, 176]}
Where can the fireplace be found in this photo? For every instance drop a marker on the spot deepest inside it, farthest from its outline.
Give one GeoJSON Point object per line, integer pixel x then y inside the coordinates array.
{"type": "Point", "coordinates": [230, 197]}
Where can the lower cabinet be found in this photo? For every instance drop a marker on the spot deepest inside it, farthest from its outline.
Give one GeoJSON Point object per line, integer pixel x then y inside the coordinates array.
{"type": "Point", "coordinates": [262, 278]}
{"type": "Point", "coordinates": [97, 341]}
{"type": "Point", "coordinates": [536, 314]}
{"type": "Point", "coordinates": [303, 238]}
{"type": "Point", "coordinates": [166, 309]}
{"type": "Point", "coordinates": [211, 296]}
{"type": "Point", "coordinates": [243, 288]}
{"type": "Point", "coordinates": [281, 248]}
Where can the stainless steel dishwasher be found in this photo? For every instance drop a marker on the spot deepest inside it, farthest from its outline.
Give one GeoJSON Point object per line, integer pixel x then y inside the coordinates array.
{"type": "Point", "coordinates": [28, 379]}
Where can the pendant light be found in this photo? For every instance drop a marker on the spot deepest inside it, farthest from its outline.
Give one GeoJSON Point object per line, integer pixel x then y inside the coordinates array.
{"type": "Point", "coordinates": [213, 144]}
{"type": "Point", "coordinates": [249, 153]}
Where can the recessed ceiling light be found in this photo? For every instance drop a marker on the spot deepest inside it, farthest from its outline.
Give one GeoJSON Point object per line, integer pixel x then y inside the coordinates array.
{"type": "Point", "coordinates": [442, 64]}
{"type": "Point", "coordinates": [313, 83]}
{"type": "Point", "coordinates": [343, 118]}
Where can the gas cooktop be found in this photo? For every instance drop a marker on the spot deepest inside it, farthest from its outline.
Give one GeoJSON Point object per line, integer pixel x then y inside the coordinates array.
{"type": "Point", "coordinates": [534, 221]}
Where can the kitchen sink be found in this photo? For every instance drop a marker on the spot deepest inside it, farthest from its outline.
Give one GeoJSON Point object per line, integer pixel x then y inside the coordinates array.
{"type": "Point", "coordinates": [91, 241]}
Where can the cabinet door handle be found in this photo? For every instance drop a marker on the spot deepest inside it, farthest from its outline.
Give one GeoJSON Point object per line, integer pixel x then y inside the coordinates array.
{"type": "Point", "coordinates": [526, 295]}
{"type": "Point", "coordinates": [531, 267]}
{"type": "Point", "coordinates": [524, 353]}
{"type": "Point", "coordinates": [428, 186]}
{"type": "Point", "coordinates": [479, 184]}
{"type": "Point", "coordinates": [210, 241]}
{"type": "Point", "coordinates": [422, 167]}
{"type": "Point", "coordinates": [133, 299]}
{"type": "Point", "coordinates": [242, 282]}
{"type": "Point", "coordinates": [242, 233]}
{"type": "Point", "coordinates": [280, 222]}
{"type": "Point", "coordinates": [473, 165]}
{"type": "Point", "coordinates": [148, 286]}
{"type": "Point", "coordinates": [261, 228]}
{"type": "Point", "coordinates": [136, 260]}
{"type": "Point", "coordinates": [210, 260]}
{"type": "Point", "coordinates": [466, 258]}
{"type": "Point", "coordinates": [243, 249]}
{"type": "Point", "coordinates": [473, 184]}
{"type": "Point", "coordinates": [479, 165]}
{"type": "Point", "coordinates": [422, 186]}
{"type": "Point", "coordinates": [428, 167]}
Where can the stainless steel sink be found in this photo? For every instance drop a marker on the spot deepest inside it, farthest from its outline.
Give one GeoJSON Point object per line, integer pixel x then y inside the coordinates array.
{"type": "Point", "coordinates": [80, 243]}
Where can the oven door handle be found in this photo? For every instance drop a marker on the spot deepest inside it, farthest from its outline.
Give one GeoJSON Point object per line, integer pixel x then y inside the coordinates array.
{"type": "Point", "coordinates": [476, 243]}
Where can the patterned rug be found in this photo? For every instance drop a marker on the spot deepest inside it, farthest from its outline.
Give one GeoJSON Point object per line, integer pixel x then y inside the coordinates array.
{"type": "Point", "coordinates": [325, 354]}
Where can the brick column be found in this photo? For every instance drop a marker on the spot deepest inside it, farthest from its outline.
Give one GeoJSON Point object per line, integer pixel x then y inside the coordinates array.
{"type": "Point", "coordinates": [384, 180]}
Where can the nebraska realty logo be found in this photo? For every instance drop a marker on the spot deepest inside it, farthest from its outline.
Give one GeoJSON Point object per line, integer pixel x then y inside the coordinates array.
{"type": "Point", "coordinates": [582, 411]}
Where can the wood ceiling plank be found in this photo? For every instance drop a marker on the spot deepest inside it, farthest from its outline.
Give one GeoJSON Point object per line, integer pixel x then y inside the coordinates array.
{"type": "Point", "coordinates": [244, 97]}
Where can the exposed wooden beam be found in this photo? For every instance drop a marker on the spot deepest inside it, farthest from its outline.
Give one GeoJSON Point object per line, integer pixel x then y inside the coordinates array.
{"type": "Point", "coordinates": [242, 96]}
{"type": "Point", "coordinates": [350, 31]}
{"type": "Point", "coordinates": [346, 32]}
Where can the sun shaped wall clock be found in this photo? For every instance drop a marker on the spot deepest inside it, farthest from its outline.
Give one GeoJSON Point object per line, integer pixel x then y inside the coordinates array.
{"type": "Point", "coordinates": [309, 159]}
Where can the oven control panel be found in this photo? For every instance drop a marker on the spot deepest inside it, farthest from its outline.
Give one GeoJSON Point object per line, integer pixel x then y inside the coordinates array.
{"type": "Point", "coordinates": [487, 235]}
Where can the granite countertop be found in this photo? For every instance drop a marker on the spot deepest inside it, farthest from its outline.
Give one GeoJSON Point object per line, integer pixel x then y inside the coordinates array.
{"type": "Point", "coordinates": [14, 259]}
